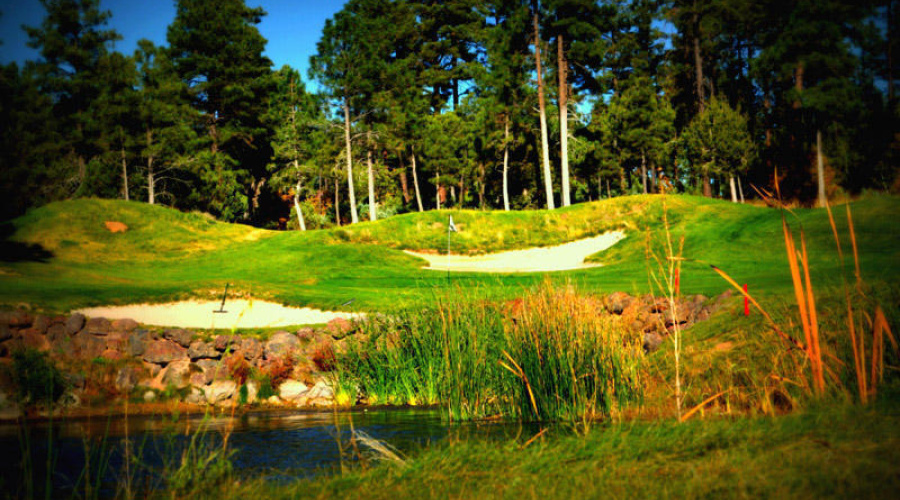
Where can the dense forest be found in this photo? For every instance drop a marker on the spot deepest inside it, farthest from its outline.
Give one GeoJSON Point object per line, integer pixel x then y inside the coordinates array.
{"type": "Point", "coordinates": [423, 104]}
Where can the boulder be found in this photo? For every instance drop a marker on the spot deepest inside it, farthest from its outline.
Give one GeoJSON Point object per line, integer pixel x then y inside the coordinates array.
{"type": "Point", "coordinates": [320, 394]}
{"type": "Point", "coordinates": [202, 350]}
{"type": "Point", "coordinates": [617, 302]}
{"type": "Point", "coordinates": [163, 352]}
{"type": "Point", "coordinates": [212, 370]}
{"type": "Point", "coordinates": [307, 334]}
{"type": "Point", "coordinates": [17, 318]}
{"type": "Point", "coordinates": [180, 336]}
{"type": "Point", "coordinates": [10, 346]}
{"type": "Point", "coordinates": [69, 400]}
{"type": "Point", "coordinates": [126, 378]}
{"type": "Point", "coordinates": [195, 397]}
{"type": "Point", "coordinates": [292, 390]}
{"type": "Point", "coordinates": [177, 374]}
{"type": "Point", "coordinates": [75, 323]}
{"type": "Point", "coordinates": [149, 396]}
{"type": "Point", "coordinates": [152, 369]}
{"type": "Point", "coordinates": [252, 349]}
{"type": "Point", "coordinates": [219, 391]}
{"type": "Point", "coordinates": [198, 379]}
{"type": "Point", "coordinates": [652, 341]}
{"type": "Point", "coordinates": [280, 344]}
{"type": "Point", "coordinates": [57, 333]}
{"type": "Point", "coordinates": [112, 355]}
{"type": "Point", "coordinates": [41, 323]}
{"type": "Point", "coordinates": [339, 328]}
{"type": "Point", "coordinates": [136, 343]}
{"type": "Point", "coordinates": [223, 342]}
{"type": "Point", "coordinates": [98, 326]}
{"type": "Point", "coordinates": [124, 325]}
{"type": "Point", "coordinates": [87, 346]}
{"type": "Point", "coordinates": [76, 381]}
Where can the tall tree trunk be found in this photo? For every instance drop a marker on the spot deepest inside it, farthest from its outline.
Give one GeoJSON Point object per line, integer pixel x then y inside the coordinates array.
{"type": "Point", "coordinates": [300, 220]}
{"type": "Point", "coordinates": [372, 206]}
{"type": "Point", "coordinates": [506, 162]}
{"type": "Point", "coordinates": [337, 202]}
{"type": "Point", "coordinates": [740, 189]}
{"type": "Point", "coordinates": [416, 182]}
{"type": "Point", "coordinates": [404, 182]}
{"type": "Point", "coordinates": [545, 146]}
{"type": "Point", "coordinates": [482, 174]}
{"type": "Point", "coordinates": [707, 186]}
{"type": "Point", "coordinates": [820, 169]}
{"type": "Point", "coordinates": [354, 217]}
{"type": "Point", "coordinates": [644, 171]}
{"type": "Point", "coordinates": [608, 190]}
{"type": "Point", "coordinates": [254, 200]}
{"type": "Point", "coordinates": [734, 198]}
{"type": "Point", "coordinates": [151, 180]}
{"type": "Point", "coordinates": [698, 61]}
{"type": "Point", "coordinates": [124, 174]}
{"type": "Point", "coordinates": [437, 194]}
{"type": "Point", "coordinates": [563, 119]}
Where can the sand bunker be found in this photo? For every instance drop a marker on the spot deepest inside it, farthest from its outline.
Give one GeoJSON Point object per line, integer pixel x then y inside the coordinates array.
{"type": "Point", "coordinates": [565, 257]}
{"type": "Point", "coordinates": [240, 314]}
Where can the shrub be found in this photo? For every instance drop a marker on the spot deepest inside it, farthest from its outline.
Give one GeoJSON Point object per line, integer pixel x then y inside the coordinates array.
{"type": "Point", "coordinates": [323, 357]}
{"type": "Point", "coordinates": [37, 378]}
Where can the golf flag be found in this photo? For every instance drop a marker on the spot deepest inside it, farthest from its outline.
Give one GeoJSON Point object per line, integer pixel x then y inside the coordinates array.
{"type": "Point", "coordinates": [452, 226]}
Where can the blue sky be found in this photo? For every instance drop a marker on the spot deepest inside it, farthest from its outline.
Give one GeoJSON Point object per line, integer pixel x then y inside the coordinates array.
{"type": "Point", "coordinates": [292, 27]}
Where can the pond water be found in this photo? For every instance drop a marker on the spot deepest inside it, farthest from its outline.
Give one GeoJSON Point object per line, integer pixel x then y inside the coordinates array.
{"type": "Point", "coordinates": [277, 445]}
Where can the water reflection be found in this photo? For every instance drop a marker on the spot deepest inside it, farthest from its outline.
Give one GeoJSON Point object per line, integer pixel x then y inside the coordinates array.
{"type": "Point", "coordinates": [277, 445]}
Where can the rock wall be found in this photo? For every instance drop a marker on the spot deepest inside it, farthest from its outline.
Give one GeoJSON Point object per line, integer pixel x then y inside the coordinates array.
{"type": "Point", "coordinates": [103, 359]}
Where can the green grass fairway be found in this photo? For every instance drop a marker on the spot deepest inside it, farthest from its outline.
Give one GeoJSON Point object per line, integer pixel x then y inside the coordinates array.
{"type": "Point", "coordinates": [61, 256]}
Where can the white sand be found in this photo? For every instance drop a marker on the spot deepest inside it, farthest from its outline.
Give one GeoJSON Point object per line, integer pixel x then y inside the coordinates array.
{"type": "Point", "coordinates": [240, 314]}
{"type": "Point", "coordinates": [565, 257]}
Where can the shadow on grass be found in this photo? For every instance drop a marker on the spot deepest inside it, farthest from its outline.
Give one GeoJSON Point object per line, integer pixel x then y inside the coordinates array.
{"type": "Point", "coordinates": [14, 251]}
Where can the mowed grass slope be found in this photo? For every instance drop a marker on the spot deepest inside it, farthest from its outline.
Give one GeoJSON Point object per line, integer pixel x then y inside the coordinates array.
{"type": "Point", "coordinates": [166, 254]}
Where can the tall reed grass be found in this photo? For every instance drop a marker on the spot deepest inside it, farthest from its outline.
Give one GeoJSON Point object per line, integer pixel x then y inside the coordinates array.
{"type": "Point", "coordinates": [549, 355]}
{"type": "Point", "coordinates": [831, 353]}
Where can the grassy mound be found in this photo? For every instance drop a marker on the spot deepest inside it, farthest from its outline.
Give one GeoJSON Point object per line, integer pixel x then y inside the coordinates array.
{"type": "Point", "coordinates": [166, 254]}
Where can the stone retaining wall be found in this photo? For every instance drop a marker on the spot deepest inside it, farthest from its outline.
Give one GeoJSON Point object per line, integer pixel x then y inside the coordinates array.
{"type": "Point", "coordinates": [121, 358]}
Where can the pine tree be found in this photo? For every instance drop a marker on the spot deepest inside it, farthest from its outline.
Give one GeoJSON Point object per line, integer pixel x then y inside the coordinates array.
{"type": "Point", "coordinates": [350, 61]}
{"type": "Point", "coordinates": [717, 142]}
{"type": "Point", "coordinates": [72, 41]}
{"type": "Point", "coordinates": [296, 119]}
{"type": "Point", "coordinates": [217, 50]}
{"type": "Point", "coordinates": [166, 123]}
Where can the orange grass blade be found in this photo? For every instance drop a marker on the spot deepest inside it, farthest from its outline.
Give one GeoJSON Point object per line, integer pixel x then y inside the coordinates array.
{"type": "Point", "coordinates": [701, 405]}
{"type": "Point", "coordinates": [880, 318]}
{"type": "Point", "coordinates": [535, 437]}
{"type": "Point", "coordinates": [796, 280]}
{"type": "Point", "coordinates": [759, 308]}
{"type": "Point", "coordinates": [815, 352]}
{"type": "Point", "coordinates": [855, 251]}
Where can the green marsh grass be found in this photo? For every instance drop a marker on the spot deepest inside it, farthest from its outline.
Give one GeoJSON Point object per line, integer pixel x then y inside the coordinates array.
{"type": "Point", "coordinates": [546, 356]}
